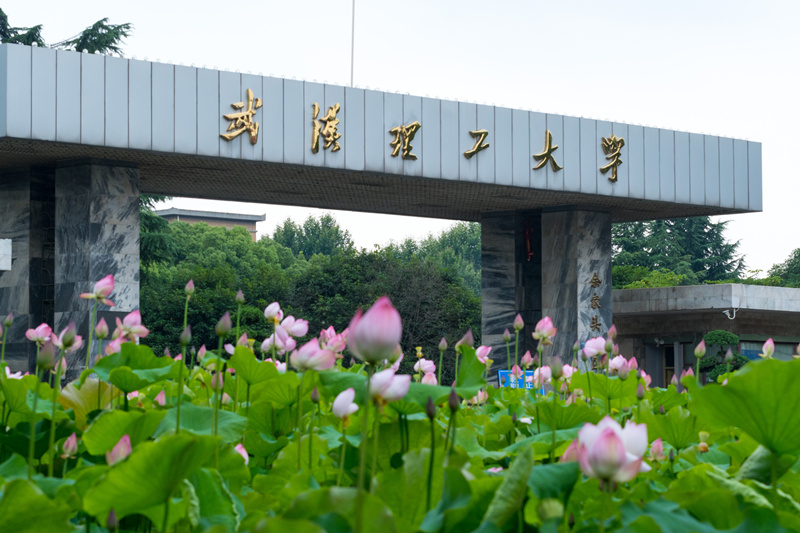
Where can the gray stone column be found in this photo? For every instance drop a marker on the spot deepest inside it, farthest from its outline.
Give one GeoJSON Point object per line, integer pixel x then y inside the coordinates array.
{"type": "Point", "coordinates": [510, 280]}
{"type": "Point", "coordinates": [576, 275]}
{"type": "Point", "coordinates": [28, 211]}
{"type": "Point", "coordinates": [97, 233]}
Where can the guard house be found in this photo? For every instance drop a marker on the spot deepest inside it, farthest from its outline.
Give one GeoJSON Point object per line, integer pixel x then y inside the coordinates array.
{"type": "Point", "coordinates": [82, 135]}
{"type": "Point", "coordinates": [225, 220]}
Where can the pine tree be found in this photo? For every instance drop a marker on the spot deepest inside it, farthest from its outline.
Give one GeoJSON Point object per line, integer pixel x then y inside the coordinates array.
{"type": "Point", "coordinates": [101, 37]}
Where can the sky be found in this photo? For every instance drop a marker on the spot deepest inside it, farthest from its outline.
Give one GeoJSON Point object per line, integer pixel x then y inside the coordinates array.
{"type": "Point", "coordinates": [721, 67]}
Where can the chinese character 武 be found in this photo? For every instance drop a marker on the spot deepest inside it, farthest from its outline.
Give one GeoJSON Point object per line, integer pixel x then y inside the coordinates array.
{"type": "Point", "coordinates": [403, 135]}
{"type": "Point", "coordinates": [327, 128]}
{"type": "Point", "coordinates": [547, 154]}
{"type": "Point", "coordinates": [612, 146]}
{"type": "Point", "coordinates": [480, 135]}
{"type": "Point", "coordinates": [243, 120]}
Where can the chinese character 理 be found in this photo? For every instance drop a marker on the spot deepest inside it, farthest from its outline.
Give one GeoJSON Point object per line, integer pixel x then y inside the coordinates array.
{"type": "Point", "coordinates": [595, 325]}
{"type": "Point", "coordinates": [403, 135]}
{"type": "Point", "coordinates": [595, 301]}
{"type": "Point", "coordinates": [480, 135]}
{"type": "Point", "coordinates": [243, 120]}
{"type": "Point", "coordinates": [595, 281]}
{"type": "Point", "coordinates": [612, 146]}
{"type": "Point", "coordinates": [327, 128]}
{"type": "Point", "coordinates": [547, 154]}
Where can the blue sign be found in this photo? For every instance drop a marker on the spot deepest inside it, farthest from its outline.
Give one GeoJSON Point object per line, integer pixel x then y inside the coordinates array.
{"type": "Point", "coordinates": [752, 354]}
{"type": "Point", "coordinates": [505, 379]}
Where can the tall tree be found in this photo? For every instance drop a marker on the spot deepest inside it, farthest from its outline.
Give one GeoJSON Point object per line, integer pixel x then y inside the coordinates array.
{"type": "Point", "coordinates": [321, 235]}
{"type": "Point", "coordinates": [101, 37]}
{"type": "Point", "coordinates": [789, 270]}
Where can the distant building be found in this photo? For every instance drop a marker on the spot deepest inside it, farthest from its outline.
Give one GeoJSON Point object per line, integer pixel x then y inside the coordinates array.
{"type": "Point", "coordinates": [226, 220]}
{"type": "Point", "coordinates": [661, 326]}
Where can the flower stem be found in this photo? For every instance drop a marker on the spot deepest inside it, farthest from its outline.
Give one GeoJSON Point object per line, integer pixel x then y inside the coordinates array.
{"type": "Point", "coordinates": [166, 516]}
{"type": "Point", "coordinates": [180, 390]}
{"type": "Point", "coordinates": [508, 356]}
{"type": "Point", "coordinates": [553, 446]}
{"type": "Point", "coordinates": [91, 330]}
{"type": "Point", "coordinates": [604, 506]}
{"type": "Point", "coordinates": [342, 456]}
{"type": "Point", "coordinates": [311, 438]}
{"type": "Point", "coordinates": [430, 468]}
{"type": "Point", "coordinates": [3, 353]}
{"type": "Point", "coordinates": [32, 440]}
{"type": "Point", "coordinates": [299, 416]}
{"type": "Point", "coordinates": [56, 388]}
{"type": "Point", "coordinates": [439, 381]}
{"type": "Point", "coordinates": [374, 470]}
{"type": "Point", "coordinates": [362, 456]}
{"type": "Point", "coordinates": [455, 380]}
{"type": "Point", "coordinates": [516, 349]}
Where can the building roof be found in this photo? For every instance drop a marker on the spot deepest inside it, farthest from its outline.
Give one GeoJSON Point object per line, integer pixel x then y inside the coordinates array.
{"type": "Point", "coordinates": [210, 214]}
{"type": "Point", "coordinates": [695, 298]}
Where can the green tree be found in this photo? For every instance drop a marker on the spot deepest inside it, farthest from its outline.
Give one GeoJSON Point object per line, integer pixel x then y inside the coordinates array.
{"type": "Point", "coordinates": [321, 235]}
{"type": "Point", "coordinates": [789, 270]}
{"type": "Point", "coordinates": [101, 37]}
{"type": "Point", "coordinates": [156, 242]}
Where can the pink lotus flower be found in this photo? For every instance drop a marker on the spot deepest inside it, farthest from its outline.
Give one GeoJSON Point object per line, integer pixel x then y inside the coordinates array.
{"type": "Point", "coordinates": [387, 387]}
{"type": "Point", "coordinates": [67, 340]}
{"type": "Point", "coordinates": [241, 451]}
{"type": "Point", "coordinates": [687, 372]}
{"type": "Point", "coordinates": [517, 372]}
{"type": "Point", "coordinates": [633, 364]}
{"type": "Point", "coordinates": [544, 331]}
{"type": "Point", "coordinates": [767, 350]}
{"type": "Point", "coordinates": [518, 322]}
{"type": "Point", "coordinates": [612, 333]}
{"type": "Point", "coordinates": [189, 289]}
{"type": "Point", "coordinates": [161, 398]}
{"type": "Point", "coordinates": [115, 346]}
{"type": "Point", "coordinates": [343, 405]}
{"type": "Point", "coordinates": [481, 397]}
{"type": "Point", "coordinates": [70, 447]}
{"type": "Point", "coordinates": [571, 453]}
{"type": "Point", "coordinates": [467, 340]}
{"type": "Point", "coordinates": [425, 366]}
{"type": "Point", "coordinates": [226, 399]}
{"type": "Point", "coordinates": [674, 380]}
{"type": "Point", "coordinates": [542, 376]}
{"type": "Point", "coordinates": [616, 364]}
{"type": "Point", "coordinates": [101, 291]}
{"type": "Point", "coordinates": [647, 379]}
{"type": "Point", "coordinates": [295, 327]}
{"type": "Point", "coordinates": [281, 366]}
{"type": "Point", "coordinates": [311, 357]}
{"type": "Point", "coordinates": [132, 395]}
{"type": "Point", "coordinates": [40, 335]}
{"type": "Point", "coordinates": [273, 313]}
{"type": "Point", "coordinates": [594, 346]}
{"type": "Point", "coordinates": [442, 344]}
{"type": "Point", "coordinates": [217, 381]}
{"type": "Point", "coordinates": [101, 329]}
{"type": "Point", "coordinates": [229, 348]}
{"type": "Point", "coordinates": [482, 353]}
{"type": "Point", "coordinates": [120, 451]}
{"type": "Point", "coordinates": [374, 336]}
{"type": "Point", "coordinates": [396, 365]}
{"type": "Point", "coordinates": [527, 359]}
{"type": "Point", "coordinates": [495, 469]}
{"type": "Point", "coordinates": [14, 375]}
{"type": "Point", "coordinates": [201, 352]}
{"type": "Point", "coordinates": [429, 379]}
{"type": "Point", "coordinates": [330, 340]}
{"type": "Point", "coordinates": [700, 350]}
{"type": "Point", "coordinates": [131, 326]}
{"type": "Point", "coordinates": [567, 372]}
{"type": "Point", "coordinates": [611, 453]}
{"type": "Point", "coordinates": [525, 420]}
{"type": "Point", "coordinates": [657, 451]}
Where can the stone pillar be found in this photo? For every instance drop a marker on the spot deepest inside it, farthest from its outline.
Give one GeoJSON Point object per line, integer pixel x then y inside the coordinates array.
{"type": "Point", "coordinates": [576, 275]}
{"type": "Point", "coordinates": [510, 281]}
{"type": "Point", "coordinates": [28, 220]}
{"type": "Point", "coordinates": [97, 233]}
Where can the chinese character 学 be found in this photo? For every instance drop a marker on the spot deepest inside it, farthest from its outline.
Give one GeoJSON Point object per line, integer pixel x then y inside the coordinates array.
{"type": "Point", "coordinates": [403, 135]}
{"type": "Point", "coordinates": [612, 146]}
{"type": "Point", "coordinates": [480, 135]}
{"type": "Point", "coordinates": [243, 120]}
{"type": "Point", "coordinates": [547, 154]}
{"type": "Point", "coordinates": [327, 128]}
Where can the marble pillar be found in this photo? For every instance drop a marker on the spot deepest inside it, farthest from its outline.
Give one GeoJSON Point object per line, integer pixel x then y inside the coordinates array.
{"type": "Point", "coordinates": [97, 233]}
{"type": "Point", "coordinates": [511, 271]}
{"type": "Point", "coordinates": [27, 203]}
{"type": "Point", "coordinates": [576, 275]}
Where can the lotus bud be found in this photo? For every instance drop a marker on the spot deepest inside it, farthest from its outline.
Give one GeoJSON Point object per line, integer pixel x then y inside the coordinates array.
{"type": "Point", "coordinates": [702, 447]}
{"type": "Point", "coordinates": [186, 336]}
{"type": "Point", "coordinates": [442, 344]}
{"type": "Point", "coordinates": [101, 329]}
{"type": "Point", "coordinates": [728, 356]}
{"type": "Point", "coordinates": [518, 323]}
{"type": "Point", "coordinates": [189, 289]}
{"type": "Point", "coordinates": [582, 356]}
{"type": "Point", "coordinates": [609, 346]}
{"type": "Point", "coordinates": [768, 349]}
{"type": "Point", "coordinates": [671, 455]}
{"type": "Point", "coordinates": [612, 332]}
{"type": "Point", "coordinates": [273, 312]}
{"type": "Point", "coordinates": [217, 381]}
{"type": "Point", "coordinates": [661, 409]}
{"type": "Point", "coordinates": [167, 352]}
{"type": "Point", "coordinates": [47, 356]}
{"type": "Point", "coordinates": [513, 418]}
{"type": "Point", "coordinates": [315, 396]}
{"type": "Point", "coordinates": [239, 297]}
{"type": "Point", "coordinates": [430, 409]}
{"type": "Point", "coordinates": [603, 361]}
{"type": "Point", "coordinates": [224, 325]}
{"type": "Point", "coordinates": [527, 359]}
{"type": "Point", "coordinates": [70, 446]}
{"type": "Point", "coordinates": [615, 350]}
{"type": "Point", "coordinates": [121, 450]}
{"type": "Point", "coordinates": [556, 368]}
{"type": "Point", "coordinates": [550, 509]}
{"type": "Point", "coordinates": [112, 522]}
{"type": "Point", "coordinates": [575, 348]}
{"type": "Point", "coordinates": [467, 339]}
{"type": "Point", "coordinates": [9, 320]}
{"type": "Point", "coordinates": [640, 392]}
{"type": "Point", "coordinates": [397, 355]}
{"type": "Point", "coordinates": [623, 371]}
{"type": "Point", "coordinates": [374, 335]}
{"type": "Point", "coordinates": [240, 449]}
{"type": "Point", "coordinates": [674, 380]}
{"type": "Point", "coordinates": [700, 350]}
{"type": "Point", "coordinates": [506, 336]}
{"type": "Point", "coordinates": [453, 402]}
{"type": "Point", "coordinates": [201, 352]}
{"type": "Point", "coordinates": [161, 398]}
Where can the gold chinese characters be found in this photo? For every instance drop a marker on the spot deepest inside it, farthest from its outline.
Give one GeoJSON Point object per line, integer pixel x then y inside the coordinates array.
{"type": "Point", "coordinates": [480, 135]}
{"type": "Point", "coordinates": [612, 146]}
{"type": "Point", "coordinates": [326, 127]}
{"type": "Point", "coordinates": [547, 154]}
{"type": "Point", "coordinates": [243, 120]}
{"type": "Point", "coordinates": [403, 135]}
{"type": "Point", "coordinates": [594, 303]}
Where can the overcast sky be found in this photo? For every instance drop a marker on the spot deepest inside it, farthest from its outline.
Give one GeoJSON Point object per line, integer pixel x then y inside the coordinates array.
{"type": "Point", "coordinates": [727, 67]}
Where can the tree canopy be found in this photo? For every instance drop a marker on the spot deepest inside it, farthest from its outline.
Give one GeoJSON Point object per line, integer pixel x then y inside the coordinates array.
{"type": "Point", "coordinates": [789, 270]}
{"type": "Point", "coordinates": [101, 37]}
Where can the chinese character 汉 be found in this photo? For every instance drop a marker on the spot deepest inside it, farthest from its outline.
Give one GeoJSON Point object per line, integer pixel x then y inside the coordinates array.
{"type": "Point", "coordinates": [612, 146]}
{"type": "Point", "coordinates": [595, 325]}
{"type": "Point", "coordinates": [595, 281]}
{"type": "Point", "coordinates": [327, 128]}
{"type": "Point", "coordinates": [595, 301]}
{"type": "Point", "coordinates": [403, 135]}
{"type": "Point", "coordinates": [547, 154]}
{"type": "Point", "coordinates": [480, 135]}
{"type": "Point", "coordinates": [243, 120]}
